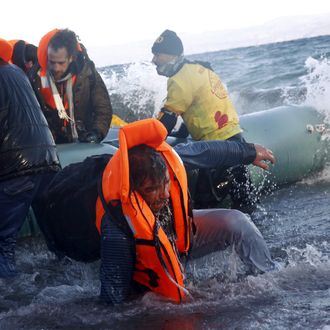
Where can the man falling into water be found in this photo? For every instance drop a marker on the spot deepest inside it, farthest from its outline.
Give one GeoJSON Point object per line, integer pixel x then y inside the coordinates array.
{"type": "Point", "coordinates": [71, 92]}
{"type": "Point", "coordinates": [195, 93]}
{"type": "Point", "coordinates": [147, 225]}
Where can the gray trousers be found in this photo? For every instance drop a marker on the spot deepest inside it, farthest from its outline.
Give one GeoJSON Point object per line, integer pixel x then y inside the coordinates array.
{"type": "Point", "coordinates": [216, 229]}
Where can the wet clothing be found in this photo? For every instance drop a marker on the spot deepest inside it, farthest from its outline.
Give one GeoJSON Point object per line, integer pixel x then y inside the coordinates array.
{"type": "Point", "coordinates": [26, 144]}
{"type": "Point", "coordinates": [157, 265]}
{"type": "Point", "coordinates": [16, 196]}
{"type": "Point", "coordinates": [216, 229]}
{"type": "Point", "coordinates": [27, 158]}
{"type": "Point", "coordinates": [233, 179]}
{"type": "Point", "coordinates": [215, 154]}
{"type": "Point", "coordinates": [74, 193]}
{"type": "Point", "coordinates": [92, 111]}
{"type": "Point", "coordinates": [196, 93]}
{"type": "Point", "coordinates": [211, 230]}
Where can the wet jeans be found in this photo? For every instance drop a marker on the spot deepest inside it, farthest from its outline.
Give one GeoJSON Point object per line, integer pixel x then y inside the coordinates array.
{"type": "Point", "coordinates": [216, 229]}
{"type": "Point", "coordinates": [16, 196]}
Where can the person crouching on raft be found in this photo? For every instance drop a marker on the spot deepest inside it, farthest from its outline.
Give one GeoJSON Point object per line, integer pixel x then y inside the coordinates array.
{"type": "Point", "coordinates": [147, 226]}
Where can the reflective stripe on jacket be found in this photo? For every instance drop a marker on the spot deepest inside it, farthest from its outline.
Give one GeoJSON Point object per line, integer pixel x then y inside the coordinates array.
{"type": "Point", "coordinates": [157, 265]}
{"type": "Point", "coordinates": [45, 88]}
{"type": "Point", "coordinates": [92, 106]}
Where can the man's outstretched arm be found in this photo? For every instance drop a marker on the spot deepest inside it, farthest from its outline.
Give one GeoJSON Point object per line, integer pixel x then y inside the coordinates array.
{"type": "Point", "coordinates": [223, 154]}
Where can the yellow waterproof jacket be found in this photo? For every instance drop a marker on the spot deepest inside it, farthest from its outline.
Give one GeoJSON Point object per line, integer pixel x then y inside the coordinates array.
{"type": "Point", "coordinates": [197, 94]}
{"type": "Point", "coordinates": [157, 264]}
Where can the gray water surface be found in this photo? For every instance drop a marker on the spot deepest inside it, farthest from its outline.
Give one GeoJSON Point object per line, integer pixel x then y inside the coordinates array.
{"type": "Point", "coordinates": [53, 294]}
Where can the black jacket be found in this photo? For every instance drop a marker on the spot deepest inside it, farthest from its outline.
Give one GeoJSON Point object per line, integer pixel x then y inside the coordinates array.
{"type": "Point", "coordinates": [26, 144]}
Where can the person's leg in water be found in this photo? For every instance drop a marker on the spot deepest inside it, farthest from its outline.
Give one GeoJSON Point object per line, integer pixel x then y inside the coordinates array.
{"type": "Point", "coordinates": [216, 229]}
{"type": "Point", "coordinates": [16, 196]}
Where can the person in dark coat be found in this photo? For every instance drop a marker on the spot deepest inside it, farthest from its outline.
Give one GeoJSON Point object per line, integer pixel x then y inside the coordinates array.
{"type": "Point", "coordinates": [71, 92]}
{"type": "Point", "coordinates": [24, 54]}
{"type": "Point", "coordinates": [28, 158]}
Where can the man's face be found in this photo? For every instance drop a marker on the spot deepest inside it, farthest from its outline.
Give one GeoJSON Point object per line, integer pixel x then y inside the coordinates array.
{"type": "Point", "coordinates": [58, 61]}
{"type": "Point", "coordinates": [28, 65]}
{"type": "Point", "coordinates": [155, 195]}
{"type": "Point", "coordinates": [160, 59]}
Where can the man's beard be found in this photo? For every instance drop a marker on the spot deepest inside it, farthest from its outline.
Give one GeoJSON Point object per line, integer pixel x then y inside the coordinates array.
{"type": "Point", "coordinates": [158, 206]}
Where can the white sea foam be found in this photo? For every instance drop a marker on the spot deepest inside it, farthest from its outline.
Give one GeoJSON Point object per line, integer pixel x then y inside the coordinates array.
{"type": "Point", "coordinates": [317, 83]}
{"type": "Point", "coordinates": [60, 293]}
{"type": "Point", "coordinates": [309, 255]}
{"type": "Point", "coordinates": [138, 86]}
{"type": "Point", "coordinates": [320, 177]}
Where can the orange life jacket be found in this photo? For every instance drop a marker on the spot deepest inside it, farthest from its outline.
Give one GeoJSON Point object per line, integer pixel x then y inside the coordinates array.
{"type": "Point", "coordinates": [6, 50]}
{"type": "Point", "coordinates": [43, 61]}
{"type": "Point", "coordinates": [154, 252]}
{"type": "Point", "coordinates": [13, 42]}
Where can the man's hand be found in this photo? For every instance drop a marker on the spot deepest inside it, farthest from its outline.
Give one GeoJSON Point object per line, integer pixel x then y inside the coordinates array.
{"type": "Point", "coordinates": [263, 154]}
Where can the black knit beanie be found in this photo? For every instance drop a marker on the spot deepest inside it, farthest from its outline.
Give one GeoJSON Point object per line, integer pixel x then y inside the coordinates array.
{"type": "Point", "coordinates": [18, 57]}
{"type": "Point", "coordinates": [168, 43]}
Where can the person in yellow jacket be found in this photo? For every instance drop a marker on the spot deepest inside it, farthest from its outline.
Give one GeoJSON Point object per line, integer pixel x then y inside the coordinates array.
{"type": "Point", "coordinates": [196, 93]}
{"type": "Point", "coordinates": [147, 226]}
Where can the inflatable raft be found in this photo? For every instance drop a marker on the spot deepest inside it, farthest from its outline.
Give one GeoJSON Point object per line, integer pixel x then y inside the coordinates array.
{"type": "Point", "coordinates": [297, 136]}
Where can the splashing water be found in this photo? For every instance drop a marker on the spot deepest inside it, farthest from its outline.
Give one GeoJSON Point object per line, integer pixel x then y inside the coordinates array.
{"type": "Point", "coordinates": [136, 90]}
{"type": "Point", "coordinates": [317, 83]}
{"type": "Point", "coordinates": [296, 72]}
{"type": "Point", "coordinates": [50, 293]}
{"type": "Point", "coordinates": [321, 177]}
{"type": "Point", "coordinates": [310, 255]}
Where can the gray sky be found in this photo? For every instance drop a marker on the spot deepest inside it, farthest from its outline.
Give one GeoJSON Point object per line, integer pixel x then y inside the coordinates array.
{"type": "Point", "coordinates": [106, 22]}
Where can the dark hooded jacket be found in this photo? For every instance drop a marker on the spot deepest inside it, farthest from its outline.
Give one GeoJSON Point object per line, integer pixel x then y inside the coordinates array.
{"type": "Point", "coordinates": [23, 52]}
{"type": "Point", "coordinates": [26, 144]}
{"type": "Point", "coordinates": [92, 106]}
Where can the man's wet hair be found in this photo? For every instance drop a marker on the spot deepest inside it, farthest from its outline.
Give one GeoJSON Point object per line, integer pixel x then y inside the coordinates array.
{"type": "Point", "coordinates": [64, 38]}
{"type": "Point", "coordinates": [145, 163]}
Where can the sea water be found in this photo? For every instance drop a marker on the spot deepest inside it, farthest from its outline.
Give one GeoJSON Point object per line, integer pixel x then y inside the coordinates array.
{"type": "Point", "coordinates": [295, 221]}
